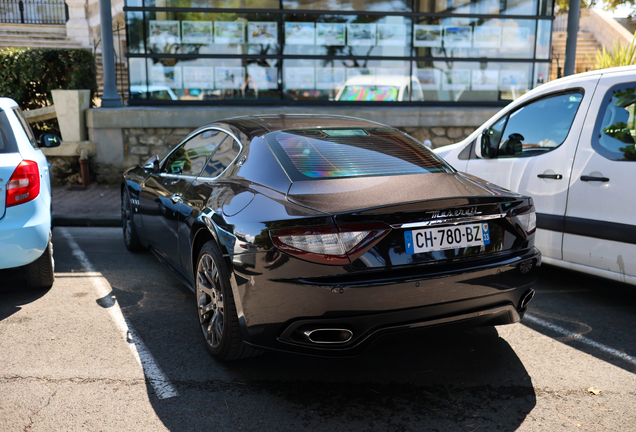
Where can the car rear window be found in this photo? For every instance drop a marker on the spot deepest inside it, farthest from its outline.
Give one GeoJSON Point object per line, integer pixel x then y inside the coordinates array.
{"type": "Point", "coordinates": [351, 152]}
{"type": "Point", "coordinates": [7, 140]}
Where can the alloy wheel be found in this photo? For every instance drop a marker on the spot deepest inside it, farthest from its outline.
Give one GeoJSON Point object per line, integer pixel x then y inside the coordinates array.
{"type": "Point", "coordinates": [210, 301]}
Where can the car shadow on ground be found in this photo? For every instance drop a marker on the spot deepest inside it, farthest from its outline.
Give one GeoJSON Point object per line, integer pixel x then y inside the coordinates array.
{"type": "Point", "coordinates": [14, 292]}
{"type": "Point", "coordinates": [461, 380]}
{"type": "Point", "coordinates": [594, 315]}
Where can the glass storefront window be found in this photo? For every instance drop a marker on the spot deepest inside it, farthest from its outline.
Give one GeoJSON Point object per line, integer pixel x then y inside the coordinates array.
{"type": "Point", "coordinates": [474, 38]}
{"type": "Point", "coordinates": [211, 33]}
{"type": "Point", "coordinates": [347, 80]}
{"type": "Point", "coordinates": [349, 5]}
{"type": "Point", "coordinates": [351, 35]}
{"type": "Point", "coordinates": [337, 51]}
{"type": "Point", "coordinates": [472, 81]}
{"type": "Point", "coordinates": [218, 4]}
{"type": "Point", "coordinates": [204, 79]}
{"type": "Point", "coordinates": [481, 7]}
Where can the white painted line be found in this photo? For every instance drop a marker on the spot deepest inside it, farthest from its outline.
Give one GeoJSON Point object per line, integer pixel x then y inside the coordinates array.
{"type": "Point", "coordinates": [157, 378]}
{"type": "Point", "coordinates": [580, 338]}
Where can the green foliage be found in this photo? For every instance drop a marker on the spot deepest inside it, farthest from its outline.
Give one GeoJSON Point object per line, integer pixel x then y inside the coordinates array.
{"type": "Point", "coordinates": [621, 56]}
{"type": "Point", "coordinates": [28, 75]}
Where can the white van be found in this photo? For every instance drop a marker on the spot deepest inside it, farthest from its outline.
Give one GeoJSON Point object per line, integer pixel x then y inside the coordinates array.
{"type": "Point", "coordinates": [570, 145]}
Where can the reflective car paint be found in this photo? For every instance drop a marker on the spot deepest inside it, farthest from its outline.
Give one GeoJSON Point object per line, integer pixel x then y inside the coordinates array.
{"type": "Point", "coordinates": [384, 290]}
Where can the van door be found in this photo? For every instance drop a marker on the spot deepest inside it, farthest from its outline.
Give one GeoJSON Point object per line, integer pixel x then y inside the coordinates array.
{"type": "Point", "coordinates": [600, 226]}
{"type": "Point", "coordinates": [534, 148]}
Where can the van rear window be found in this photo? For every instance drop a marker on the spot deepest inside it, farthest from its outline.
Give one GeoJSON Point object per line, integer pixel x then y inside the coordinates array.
{"type": "Point", "coordinates": [351, 152]}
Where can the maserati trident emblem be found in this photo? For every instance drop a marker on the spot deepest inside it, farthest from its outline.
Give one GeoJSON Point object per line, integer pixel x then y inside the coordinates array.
{"type": "Point", "coordinates": [471, 211]}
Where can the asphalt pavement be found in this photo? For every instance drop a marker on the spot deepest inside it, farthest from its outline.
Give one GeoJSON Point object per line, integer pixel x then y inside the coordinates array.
{"type": "Point", "coordinates": [92, 206]}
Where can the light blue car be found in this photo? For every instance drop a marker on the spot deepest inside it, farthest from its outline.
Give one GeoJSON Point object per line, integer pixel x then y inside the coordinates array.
{"type": "Point", "coordinates": [25, 198]}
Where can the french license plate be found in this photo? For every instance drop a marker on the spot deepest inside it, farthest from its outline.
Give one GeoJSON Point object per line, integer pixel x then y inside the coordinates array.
{"type": "Point", "coordinates": [443, 238]}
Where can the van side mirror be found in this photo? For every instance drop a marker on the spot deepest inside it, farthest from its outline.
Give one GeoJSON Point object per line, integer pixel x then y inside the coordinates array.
{"type": "Point", "coordinates": [152, 164]}
{"type": "Point", "coordinates": [486, 150]}
{"type": "Point", "coordinates": [49, 140]}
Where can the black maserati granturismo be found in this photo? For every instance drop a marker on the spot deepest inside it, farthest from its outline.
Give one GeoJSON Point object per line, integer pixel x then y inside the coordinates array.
{"type": "Point", "coordinates": [319, 234]}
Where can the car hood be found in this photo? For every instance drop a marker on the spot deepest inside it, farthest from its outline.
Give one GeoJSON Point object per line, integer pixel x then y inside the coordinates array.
{"type": "Point", "coordinates": [349, 194]}
{"type": "Point", "coordinates": [8, 164]}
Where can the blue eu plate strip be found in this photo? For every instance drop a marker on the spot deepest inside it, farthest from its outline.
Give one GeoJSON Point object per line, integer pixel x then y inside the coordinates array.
{"type": "Point", "coordinates": [485, 233]}
{"type": "Point", "coordinates": [408, 240]}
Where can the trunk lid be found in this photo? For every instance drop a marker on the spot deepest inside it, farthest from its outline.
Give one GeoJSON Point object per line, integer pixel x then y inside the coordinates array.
{"type": "Point", "coordinates": [451, 211]}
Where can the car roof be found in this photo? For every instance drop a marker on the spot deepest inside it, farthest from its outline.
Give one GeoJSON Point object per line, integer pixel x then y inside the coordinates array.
{"type": "Point", "coordinates": [7, 103]}
{"type": "Point", "coordinates": [253, 126]}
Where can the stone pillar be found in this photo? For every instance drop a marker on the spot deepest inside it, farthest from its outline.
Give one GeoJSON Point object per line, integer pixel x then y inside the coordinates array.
{"type": "Point", "coordinates": [77, 27]}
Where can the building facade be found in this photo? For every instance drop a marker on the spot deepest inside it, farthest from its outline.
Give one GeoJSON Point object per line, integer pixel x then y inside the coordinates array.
{"type": "Point", "coordinates": [446, 53]}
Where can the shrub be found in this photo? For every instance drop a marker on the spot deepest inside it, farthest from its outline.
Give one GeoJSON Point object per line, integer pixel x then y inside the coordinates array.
{"type": "Point", "coordinates": [620, 56]}
{"type": "Point", "coordinates": [28, 75]}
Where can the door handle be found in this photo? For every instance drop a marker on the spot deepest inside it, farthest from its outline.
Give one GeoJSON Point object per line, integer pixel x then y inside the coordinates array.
{"type": "Point", "coordinates": [550, 176]}
{"type": "Point", "coordinates": [176, 198]}
{"type": "Point", "coordinates": [593, 178]}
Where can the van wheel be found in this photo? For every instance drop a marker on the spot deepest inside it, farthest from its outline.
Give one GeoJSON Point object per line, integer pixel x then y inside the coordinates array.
{"type": "Point", "coordinates": [40, 273]}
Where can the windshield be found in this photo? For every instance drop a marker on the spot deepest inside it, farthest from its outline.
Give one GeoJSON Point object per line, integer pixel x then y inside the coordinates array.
{"type": "Point", "coordinates": [351, 152]}
{"type": "Point", "coordinates": [370, 92]}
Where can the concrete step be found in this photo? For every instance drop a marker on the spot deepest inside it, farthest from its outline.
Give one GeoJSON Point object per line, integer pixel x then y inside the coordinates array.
{"type": "Point", "coordinates": [40, 44]}
{"type": "Point", "coordinates": [45, 29]}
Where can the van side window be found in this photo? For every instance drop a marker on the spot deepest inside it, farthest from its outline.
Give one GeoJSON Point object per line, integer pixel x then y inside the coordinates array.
{"type": "Point", "coordinates": [536, 128]}
{"type": "Point", "coordinates": [615, 126]}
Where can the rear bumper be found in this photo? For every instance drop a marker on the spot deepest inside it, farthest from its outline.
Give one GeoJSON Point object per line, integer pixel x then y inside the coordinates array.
{"type": "Point", "coordinates": [277, 314]}
{"type": "Point", "coordinates": [24, 233]}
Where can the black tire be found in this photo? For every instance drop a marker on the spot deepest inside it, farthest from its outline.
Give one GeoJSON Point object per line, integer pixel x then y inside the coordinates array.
{"type": "Point", "coordinates": [40, 273]}
{"type": "Point", "coordinates": [216, 308]}
{"type": "Point", "coordinates": [131, 239]}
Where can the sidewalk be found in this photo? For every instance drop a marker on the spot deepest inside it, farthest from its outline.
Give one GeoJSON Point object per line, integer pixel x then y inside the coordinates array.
{"type": "Point", "coordinates": [93, 205]}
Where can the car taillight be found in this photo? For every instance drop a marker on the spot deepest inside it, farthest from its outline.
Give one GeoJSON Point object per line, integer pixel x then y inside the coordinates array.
{"type": "Point", "coordinates": [24, 184]}
{"type": "Point", "coordinates": [525, 218]}
{"type": "Point", "coordinates": [329, 245]}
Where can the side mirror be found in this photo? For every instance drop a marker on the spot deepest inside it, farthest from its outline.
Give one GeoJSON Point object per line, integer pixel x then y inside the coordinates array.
{"type": "Point", "coordinates": [49, 140]}
{"type": "Point", "coordinates": [152, 164]}
{"type": "Point", "coordinates": [485, 149]}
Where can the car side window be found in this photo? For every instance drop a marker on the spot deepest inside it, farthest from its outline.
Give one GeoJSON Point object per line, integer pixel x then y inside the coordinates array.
{"type": "Point", "coordinates": [25, 125]}
{"type": "Point", "coordinates": [536, 128]}
{"type": "Point", "coordinates": [190, 158]}
{"type": "Point", "coordinates": [615, 126]}
{"type": "Point", "coordinates": [222, 157]}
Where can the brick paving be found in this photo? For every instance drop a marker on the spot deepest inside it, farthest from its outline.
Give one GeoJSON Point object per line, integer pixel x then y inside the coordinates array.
{"type": "Point", "coordinates": [93, 205]}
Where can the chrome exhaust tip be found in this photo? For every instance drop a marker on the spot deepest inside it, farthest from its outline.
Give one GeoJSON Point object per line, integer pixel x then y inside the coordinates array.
{"type": "Point", "coordinates": [525, 299]}
{"type": "Point", "coordinates": [328, 336]}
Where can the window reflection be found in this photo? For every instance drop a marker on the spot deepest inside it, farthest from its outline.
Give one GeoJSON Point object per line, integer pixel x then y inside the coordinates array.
{"type": "Point", "coordinates": [616, 124]}
{"type": "Point", "coordinates": [350, 5]}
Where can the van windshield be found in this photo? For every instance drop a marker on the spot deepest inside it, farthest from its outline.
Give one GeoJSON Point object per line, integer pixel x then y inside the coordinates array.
{"type": "Point", "coordinates": [351, 152]}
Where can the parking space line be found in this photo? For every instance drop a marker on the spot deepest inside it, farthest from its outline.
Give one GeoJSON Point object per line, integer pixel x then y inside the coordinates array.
{"type": "Point", "coordinates": [580, 338]}
{"type": "Point", "coordinates": [157, 378]}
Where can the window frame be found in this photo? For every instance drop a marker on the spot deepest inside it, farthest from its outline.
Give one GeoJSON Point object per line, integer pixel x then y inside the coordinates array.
{"type": "Point", "coordinates": [506, 116]}
{"type": "Point", "coordinates": [197, 132]}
